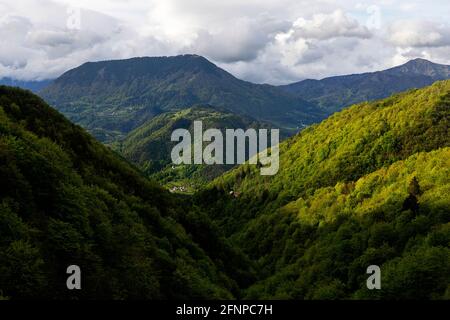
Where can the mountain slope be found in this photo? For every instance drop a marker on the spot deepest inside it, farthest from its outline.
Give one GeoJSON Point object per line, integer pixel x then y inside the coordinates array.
{"type": "Point", "coordinates": [369, 185]}
{"type": "Point", "coordinates": [111, 98]}
{"type": "Point", "coordinates": [333, 93]}
{"type": "Point", "coordinates": [149, 146]}
{"type": "Point", "coordinates": [67, 199]}
{"type": "Point", "coordinates": [354, 142]}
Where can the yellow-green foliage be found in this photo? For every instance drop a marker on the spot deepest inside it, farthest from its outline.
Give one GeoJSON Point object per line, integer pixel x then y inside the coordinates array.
{"type": "Point", "coordinates": [353, 142]}
{"type": "Point", "coordinates": [382, 190]}
{"type": "Point", "coordinates": [398, 217]}
{"type": "Point", "coordinates": [369, 185]}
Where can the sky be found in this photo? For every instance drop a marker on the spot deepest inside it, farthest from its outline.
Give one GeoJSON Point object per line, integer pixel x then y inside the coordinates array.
{"type": "Point", "coordinates": [263, 41]}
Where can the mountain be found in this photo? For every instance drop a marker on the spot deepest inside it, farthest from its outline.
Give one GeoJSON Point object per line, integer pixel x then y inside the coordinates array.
{"type": "Point", "coordinates": [149, 146]}
{"type": "Point", "coordinates": [67, 199]}
{"type": "Point", "coordinates": [111, 98]}
{"type": "Point", "coordinates": [368, 186]}
{"type": "Point", "coordinates": [333, 93]}
{"type": "Point", "coordinates": [34, 86]}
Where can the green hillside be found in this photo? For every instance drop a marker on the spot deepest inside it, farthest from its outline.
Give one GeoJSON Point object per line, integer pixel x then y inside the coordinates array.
{"type": "Point", "coordinates": [319, 246]}
{"type": "Point", "coordinates": [149, 146]}
{"type": "Point", "coordinates": [67, 199]}
{"type": "Point", "coordinates": [111, 98]}
{"type": "Point", "coordinates": [353, 142]}
{"type": "Point", "coordinates": [369, 185]}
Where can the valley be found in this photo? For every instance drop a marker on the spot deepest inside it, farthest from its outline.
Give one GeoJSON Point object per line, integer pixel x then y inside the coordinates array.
{"type": "Point", "coordinates": [133, 104]}
{"type": "Point", "coordinates": [367, 185]}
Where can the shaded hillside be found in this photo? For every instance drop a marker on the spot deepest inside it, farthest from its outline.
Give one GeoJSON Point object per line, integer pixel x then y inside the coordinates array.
{"type": "Point", "coordinates": [67, 199]}
{"type": "Point", "coordinates": [111, 98]}
{"type": "Point", "coordinates": [333, 93]}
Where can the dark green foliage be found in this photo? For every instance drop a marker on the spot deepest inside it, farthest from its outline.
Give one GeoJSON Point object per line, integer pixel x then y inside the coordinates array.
{"type": "Point", "coordinates": [66, 199]}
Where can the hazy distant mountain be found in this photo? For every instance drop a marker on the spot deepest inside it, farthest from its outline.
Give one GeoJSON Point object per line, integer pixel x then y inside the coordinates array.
{"type": "Point", "coordinates": [34, 86]}
{"type": "Point", "coordinates": [333, 93]}
{"type": "Point", "coordinates": [110, 98]}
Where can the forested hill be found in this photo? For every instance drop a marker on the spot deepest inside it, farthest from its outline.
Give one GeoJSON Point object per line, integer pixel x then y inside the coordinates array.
{"type": "Point", "coordinates": [369, 185]}
{"type": "Point", "coordinates": [111, 98]}
{"type": "Point", "coordinates": [67, 199]}
{"type": "Point", "coordinates": [353, 142]}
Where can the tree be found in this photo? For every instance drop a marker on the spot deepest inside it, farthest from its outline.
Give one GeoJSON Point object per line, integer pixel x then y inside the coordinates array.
{"type": "Point", "coordinates": [414, 187]}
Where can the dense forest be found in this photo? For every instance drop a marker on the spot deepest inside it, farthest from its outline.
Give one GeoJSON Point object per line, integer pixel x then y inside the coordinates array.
{"type": "Point", "coordinates": [369, 185]}
{"type": "Point", "coordinates": [67, 199]}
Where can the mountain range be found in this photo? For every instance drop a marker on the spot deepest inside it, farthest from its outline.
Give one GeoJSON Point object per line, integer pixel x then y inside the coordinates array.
{"type": "Point", "coordinates": [133, 104]}
{"type": "Point", "coordinates": [367, 186]}
{"type": "Point", "coordinates": [333, 93]}
{"type": "Point", "coordinates": [111, 98]}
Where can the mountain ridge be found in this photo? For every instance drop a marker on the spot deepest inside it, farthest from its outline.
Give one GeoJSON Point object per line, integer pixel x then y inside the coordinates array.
{"type": "Point", "coordinates": [117, 96]}
{"type": "Point", "coordinates": [334, 93]}
{"type": "Point", "coordinates": [111, 98]}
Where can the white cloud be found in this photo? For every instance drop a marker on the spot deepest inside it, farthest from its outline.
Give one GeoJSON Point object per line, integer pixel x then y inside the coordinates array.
{"type": "Point", "coordinates": [274, 41]}
{"type": "Point", "coordinates": [242, 40]}
{"type": "Point", "coordinates": [326, 26]}
{"type": "Point", "coordinates": [419, 34]}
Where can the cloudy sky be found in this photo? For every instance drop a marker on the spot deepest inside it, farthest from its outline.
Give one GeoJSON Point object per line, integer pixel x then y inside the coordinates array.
{"type": "Point", "coordinates": [271, 41]}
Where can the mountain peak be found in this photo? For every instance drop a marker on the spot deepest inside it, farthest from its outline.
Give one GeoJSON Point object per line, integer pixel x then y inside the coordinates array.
{"type": "Point", "coordinates": [420, 60]}
{"type": "Point", "coordinates": [424, 67]}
